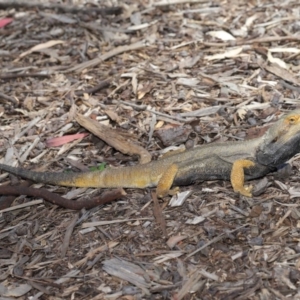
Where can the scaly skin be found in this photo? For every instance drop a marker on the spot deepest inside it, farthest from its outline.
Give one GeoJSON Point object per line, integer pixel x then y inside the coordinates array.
{"type": "Point", "coordinates": [234, 161]}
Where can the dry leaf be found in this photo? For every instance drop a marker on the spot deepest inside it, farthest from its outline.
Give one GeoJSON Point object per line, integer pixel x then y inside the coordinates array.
{"type": "Point", "coordinates": [282, 73]}
{"type": "Point", "coordinates": [276, 60]}
{"type": "Point", "coordinates": [112, 137]}
{"type": "Point", "coordinates": [41, 46]}
{"type": "Point", "coordinates": [187, 81]}
{"type": "Point", "coordinates": [58, 141]}
{"type": "Point", "coordinates": [165, 257]}
{"type": "Point", "coordinates": [285, 50]}
{"type": "Point", "coordinates": [173, 240]}
{"type": "Point", "coordinates": [229, 53]}
{"type": "Point", "coordinates": [16, 290]}
{"type": "Point", "coordinates": [5, 21]}
{"type": "Point", "coordinates": [222, 35]}
{"type": "Point", "coordinates": [143, 90]}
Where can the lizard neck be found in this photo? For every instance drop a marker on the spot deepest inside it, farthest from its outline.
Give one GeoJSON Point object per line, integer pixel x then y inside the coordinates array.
{"type": "Point", "coordinates": [274, 151]}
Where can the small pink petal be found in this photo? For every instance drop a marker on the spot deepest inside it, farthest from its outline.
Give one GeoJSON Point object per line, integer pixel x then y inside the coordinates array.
{"type": "Point", "coordinates": [5, 21]}
{"type": "Point", "coordinates": [58, 141]}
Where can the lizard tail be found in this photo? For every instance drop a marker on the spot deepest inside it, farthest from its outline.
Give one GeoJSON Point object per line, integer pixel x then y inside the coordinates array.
{"type": "Point", "coordinates": [130, 177]}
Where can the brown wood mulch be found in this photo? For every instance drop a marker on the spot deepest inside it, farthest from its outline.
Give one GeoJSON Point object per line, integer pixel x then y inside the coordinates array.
{"type": "Point", "coordinates": [122, 83]}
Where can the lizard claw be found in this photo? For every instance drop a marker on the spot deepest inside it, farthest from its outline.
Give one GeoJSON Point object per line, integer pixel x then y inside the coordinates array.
{"type": "Point", "coordinates": [249, 188]}
{"type": "Point", "coordinates": [174, 191]}
{"type": "Point", "coordinates": [171, 192]}
{"type": "Point", "coordinates": [247, 191]}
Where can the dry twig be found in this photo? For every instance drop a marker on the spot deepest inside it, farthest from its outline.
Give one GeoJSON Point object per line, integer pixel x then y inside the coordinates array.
{"type": "Point", "coordinates": [106, 197]}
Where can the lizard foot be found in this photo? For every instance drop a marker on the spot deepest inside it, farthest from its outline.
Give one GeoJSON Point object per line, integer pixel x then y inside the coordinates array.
{"type": "Point", "coordinates": [174, 191]}
{"type": "Point", "coordinates": [165, 182]}
{"type": "Point", "coordinates": [171, 192]}
{"type": "Point", "coordinates": [237, 176]}
{"type": "Point", "coordinates": [245, 191]}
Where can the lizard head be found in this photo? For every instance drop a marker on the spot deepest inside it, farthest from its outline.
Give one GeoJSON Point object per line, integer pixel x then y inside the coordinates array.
{"type": "Point", "coordinates": [287, 127]}
{"type": "Point", "coordinates": [282, 141]}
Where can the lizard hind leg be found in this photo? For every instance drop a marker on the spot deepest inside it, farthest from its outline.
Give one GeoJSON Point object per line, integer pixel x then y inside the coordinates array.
{"type": "Point", "coordinates": [166, 181]}
{"type": "Point", "coordinates": [237, 177]}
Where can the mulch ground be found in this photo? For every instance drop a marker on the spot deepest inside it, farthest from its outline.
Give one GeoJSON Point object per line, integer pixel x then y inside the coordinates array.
{"type": "Point", "coordinates": [83, 85]}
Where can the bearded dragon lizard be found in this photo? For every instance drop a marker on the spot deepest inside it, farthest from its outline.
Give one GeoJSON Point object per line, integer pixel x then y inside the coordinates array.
{"type": "Point", "coordinates": [235, 161]}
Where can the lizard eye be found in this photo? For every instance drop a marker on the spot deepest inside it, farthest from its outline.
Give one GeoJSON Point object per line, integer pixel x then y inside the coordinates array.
{"type": "Point", "coordinates": [292, 120]}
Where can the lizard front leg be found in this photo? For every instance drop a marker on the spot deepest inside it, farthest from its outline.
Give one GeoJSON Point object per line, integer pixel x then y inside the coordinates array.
{"type": "Point", "coordinates": [166, 181]}
{"type": "Point", "coordinates": [237, 176]}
